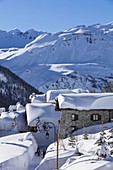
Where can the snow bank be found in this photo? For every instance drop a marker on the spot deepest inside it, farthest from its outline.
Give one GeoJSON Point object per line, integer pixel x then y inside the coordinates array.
{"type": "Point", "coordinates": [16, 152]}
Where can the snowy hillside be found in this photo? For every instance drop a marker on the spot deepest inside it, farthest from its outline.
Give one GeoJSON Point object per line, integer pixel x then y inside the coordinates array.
{"type": "Point", "coordinates": [79, 57]}
{"type": "Point", "coordinates": [13, 89]}
{"type": "Point", "coordinates": [17, 38]}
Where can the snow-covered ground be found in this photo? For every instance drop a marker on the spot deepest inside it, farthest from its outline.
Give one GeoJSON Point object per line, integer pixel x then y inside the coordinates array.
{"type": "Point", "coordinates": [19, 152]}
{"type": "Point", "coordinates": [68, 160]}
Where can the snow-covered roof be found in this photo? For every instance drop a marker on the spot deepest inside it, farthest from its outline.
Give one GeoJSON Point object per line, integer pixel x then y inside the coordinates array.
{"type": "Point", "coordinates": [12, 108]}
{"type": "Point", "coordinates": [86, 101]}
{"type": "Point", "coordinates": [20, 107]}
{"type": "Point", "coordinates": [38, 98]}
{"type": "Point", "coordinates": [45, 111]}
{"type": "Point", "coordinates": [17, 107]}
{"type": "Point", "coordinates": [7, 119]}
{"type": "Point", "coordinates": [51, 95]}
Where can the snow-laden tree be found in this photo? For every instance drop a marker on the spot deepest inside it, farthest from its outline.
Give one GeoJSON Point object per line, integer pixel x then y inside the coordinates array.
{"type": "Point", "coordinates": [101, 139]}
{"type": "Point", "coordinates": [85, 134]}
{"type": "Point", "coordinates": [77, 152]}
{"type": "Point", "coordinates": [110, 139]}
{"type": "Point", "coordinates": [72, 140]}
{"type": "Point", "coordinates": [102, 151]}
{"type": "Point", "coordinates": [102, 136]}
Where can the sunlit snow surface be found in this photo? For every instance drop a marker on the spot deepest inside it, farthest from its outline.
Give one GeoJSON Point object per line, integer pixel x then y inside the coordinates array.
{"type": "Point", "coordinates": [17, 151]}
{"type": "Point", "coordinates": [53, 59]}
{"type": "Point", "coordinates": [68, 160]}
{"type": "Point", "coordinates": [86, 101]}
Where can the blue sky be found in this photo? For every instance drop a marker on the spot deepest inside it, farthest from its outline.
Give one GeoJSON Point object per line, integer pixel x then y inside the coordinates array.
{"type": "Point", "coordinates": [53, 15]}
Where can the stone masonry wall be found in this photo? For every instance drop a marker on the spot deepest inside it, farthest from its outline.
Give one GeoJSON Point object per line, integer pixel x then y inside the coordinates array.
{"type": "Point", "coordinates": [84, 119]}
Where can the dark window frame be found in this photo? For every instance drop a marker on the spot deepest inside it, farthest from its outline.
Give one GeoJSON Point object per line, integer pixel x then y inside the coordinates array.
{"type": "Point", "coordinates": [74, 117]}
{"type": "Point", "coordinates": [73, 129]}
{"type": "Point", "coordinates": [95, 117]}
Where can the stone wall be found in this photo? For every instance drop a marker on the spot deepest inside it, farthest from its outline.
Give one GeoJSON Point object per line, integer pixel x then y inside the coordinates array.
{"type": "Point", "coordinates": [84, 119]}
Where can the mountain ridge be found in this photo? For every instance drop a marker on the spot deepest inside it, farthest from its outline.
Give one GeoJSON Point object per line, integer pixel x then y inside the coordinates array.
{"type": "Point", "coordinates": [54, 57]}
{"type": "Point", "coordinates": [16, 38]}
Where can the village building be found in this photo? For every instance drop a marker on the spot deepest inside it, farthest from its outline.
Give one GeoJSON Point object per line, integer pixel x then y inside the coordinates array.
{"type": "Point", "coordinates": [42, 120]}
{"type": "Point", "coordinates": [39, 113]}
{"type": "Point", "coordinates": [14, 119]}
{"type": "Point", "coordinates": [43, 106]}
{"type": "Point", "coordinates": [84, 109]}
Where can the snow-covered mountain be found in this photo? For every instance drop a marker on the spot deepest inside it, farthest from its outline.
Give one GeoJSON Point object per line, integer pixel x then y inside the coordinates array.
{"type": "Point", "coordinates": [17, 38]}
{"type": "Point", "coordinates": [78, 57]}
{"type": "Point", "coordinates": [13, 89]}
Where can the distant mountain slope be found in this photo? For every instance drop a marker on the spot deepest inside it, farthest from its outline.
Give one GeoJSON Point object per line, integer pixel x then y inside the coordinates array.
{"type": "Point", "coordinates": [78, 57]}
{"type": "Point", "coordinates": [13, 88]}
{"type": "Point", "coordinates": [17, 38]}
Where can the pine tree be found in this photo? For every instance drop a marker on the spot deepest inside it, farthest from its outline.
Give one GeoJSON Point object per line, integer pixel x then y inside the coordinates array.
{"type": "Point", "coordinates": [102, 151]}
{"type": "Point", "coordinates": [102, 136]}
{"type": "Point", "coordinates": [71, 141]}
{"type": "Point", "coordinates": [77, 152]}
{"type": "Point", "coordinates": [110, 139]}
{"type": "Point", "coordinates": [85, 134]}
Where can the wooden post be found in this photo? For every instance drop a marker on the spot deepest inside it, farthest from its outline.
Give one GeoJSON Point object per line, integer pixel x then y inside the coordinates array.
{"type": "Point", "coordinates": [57, 150]}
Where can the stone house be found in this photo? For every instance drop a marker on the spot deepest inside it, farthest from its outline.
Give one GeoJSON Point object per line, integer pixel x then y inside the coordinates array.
{"type": "Point", "coordinates": [84, 109]}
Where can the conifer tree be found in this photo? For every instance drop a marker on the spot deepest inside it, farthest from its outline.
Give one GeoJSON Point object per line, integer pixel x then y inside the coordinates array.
{"type": "Point", "coordinates": [72, 141]}
{"type": "Point", "coordinates": [85, 134]}
{"type": "Point", "coordinates": [102, 151]}
{"type": "Point", "coordinates": [110, 139]}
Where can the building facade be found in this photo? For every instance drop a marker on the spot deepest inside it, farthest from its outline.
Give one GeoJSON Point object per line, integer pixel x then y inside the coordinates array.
{"type": "Point", "coordinates": [72, 120]}
{"type": "Point", "coordinates": [83, 110]}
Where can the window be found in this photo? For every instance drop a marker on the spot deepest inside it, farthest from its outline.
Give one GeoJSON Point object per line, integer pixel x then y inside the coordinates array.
{"type": "Point", "coordinates": [111, 115]}
{"type": "Point", "coordinates": [74, 117]}
{"type": "Point", "coordinates": [32, 129]}
{"type": "Point", "coordinates": [95, 117]}
{"type": "Point", "coordinates": [73, 128]}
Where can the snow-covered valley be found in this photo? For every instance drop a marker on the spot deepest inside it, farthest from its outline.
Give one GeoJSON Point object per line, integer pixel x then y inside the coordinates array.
{"type": "Point", "coordinates": [65, 59]}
